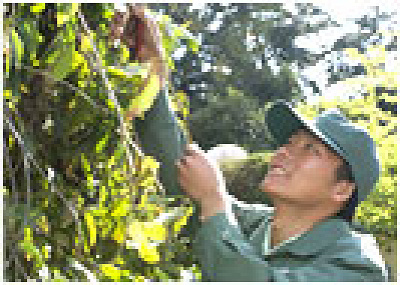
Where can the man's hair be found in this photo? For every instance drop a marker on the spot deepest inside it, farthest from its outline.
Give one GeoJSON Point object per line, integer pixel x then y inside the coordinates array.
{"type": "Point", "coordinates": [343, 172]}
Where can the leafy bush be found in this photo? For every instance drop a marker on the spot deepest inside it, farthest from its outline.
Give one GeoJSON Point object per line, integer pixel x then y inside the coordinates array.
{"type": "Point", "coordinates": [82, 202]}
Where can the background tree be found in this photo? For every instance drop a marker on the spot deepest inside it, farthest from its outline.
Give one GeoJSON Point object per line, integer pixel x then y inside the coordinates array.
{"type": "Point", "coordinates": [252, 48]}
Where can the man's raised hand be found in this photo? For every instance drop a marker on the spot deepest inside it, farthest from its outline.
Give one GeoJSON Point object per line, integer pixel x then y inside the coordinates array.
{"type": "Point", "coordinates": [202, 180]}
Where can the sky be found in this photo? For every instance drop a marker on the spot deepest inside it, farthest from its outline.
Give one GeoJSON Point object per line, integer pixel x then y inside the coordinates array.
{"type": "Point", "coordinates": [344, 12]}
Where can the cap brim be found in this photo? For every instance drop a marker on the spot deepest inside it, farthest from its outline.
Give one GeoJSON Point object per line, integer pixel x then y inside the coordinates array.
{"type": "Point", "coordinates": [283, 120]}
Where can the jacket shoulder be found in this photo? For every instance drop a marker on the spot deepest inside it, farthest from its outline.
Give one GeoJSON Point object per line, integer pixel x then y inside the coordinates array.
{"type": "Point", "coordinates": [359, 252]}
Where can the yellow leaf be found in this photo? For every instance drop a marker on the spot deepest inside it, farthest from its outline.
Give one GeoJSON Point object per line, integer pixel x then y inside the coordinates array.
{"type": "Point", "coordinates": [46, 251]}
{"type": "Point", "coordinates": [86, 44]}
{"type": "Point", "coordinates": [122, 208]}
{"type": "Point", "coordinates": [23, 88]}
{"type": "Point", "coordinates": [65, 11]}
{"type": "Point", "coordinates": [149, 253]}
{"type": "Point", "coordinates": [85, 163]}
{"type": "Point", "coordinates": [7, 94]}
{"type": "Point", "coordinates": [125, 53]}
{"type": "Point", "coordinates": [140, 279]}
{"type": "Point", "coordinates": [182, 221]}
{"type": "Point", "coordinates": [27, 234]}
{"type": "Point", "coordinates": [91, 227]}
{"type": "Point", "coordinates": [119, 235]}
{"type": "Point", "coordinates": [43, 224]}
{"type": "Point", "coordinates": [78, 59]}
{"type": "Point", "coordinates": [154, 231]}
{"type": "Point", "coordinates": [110, 271]}
{"type": "Point", "coordinates": [110, 103]}
{"type": "Point", "coordinates": [37, 8]}
{"type": "Point", "coordinates": [150, 162]}
{"type": "Point", "coordinates": [144, 234]}
{"type": "Point", "coordinates": [35, 62]}
{"type": "Point", "coordinates": [140, 104]}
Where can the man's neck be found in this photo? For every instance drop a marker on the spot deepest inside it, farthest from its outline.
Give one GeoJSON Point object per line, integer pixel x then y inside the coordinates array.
{"type": "Point", "coordinates": [289, 221]}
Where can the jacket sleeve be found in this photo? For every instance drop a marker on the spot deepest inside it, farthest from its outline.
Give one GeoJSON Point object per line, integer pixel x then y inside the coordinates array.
{"type": "Point", "coordinates": [161, 137]}
{"type": "Point", "coordinates": [227, 254]}
{"type": "Point", "coordinates": [224, 249]}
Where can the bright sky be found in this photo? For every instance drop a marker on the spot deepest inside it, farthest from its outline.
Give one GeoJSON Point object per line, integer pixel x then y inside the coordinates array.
{"type": "Point", "coordinates": [344, 12]}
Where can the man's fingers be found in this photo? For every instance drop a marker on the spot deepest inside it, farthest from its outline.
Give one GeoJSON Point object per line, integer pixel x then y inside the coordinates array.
{"type": "Point", "coordinates": [179, 163]}
{"type": "Point", "coordinates": [182, 162]}
{"type": "Point", "coordinates": [137, 10]}
{"type": "Point", "coordinates": [193, 149]}
{"type": "Point", "coordinates": [185, 160]}
{"type": "Point", "coordinates": [191, 156]}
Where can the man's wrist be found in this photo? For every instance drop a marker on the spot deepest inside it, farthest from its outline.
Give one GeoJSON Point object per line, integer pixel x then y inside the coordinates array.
{"type": "Point", "coordinates": [210, 208]}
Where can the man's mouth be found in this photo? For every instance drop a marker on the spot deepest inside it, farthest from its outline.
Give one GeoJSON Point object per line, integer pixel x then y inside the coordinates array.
{"type": "Point", "coordinates": [278, 169]}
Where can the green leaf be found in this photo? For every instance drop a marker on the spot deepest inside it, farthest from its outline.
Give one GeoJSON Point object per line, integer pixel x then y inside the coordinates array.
{"type": "Point", "coordinates": [16, 50]}
{"type": "Point", "coordinates": [65, 12]}
{"type": "Point", "coordinates": [102, 143]}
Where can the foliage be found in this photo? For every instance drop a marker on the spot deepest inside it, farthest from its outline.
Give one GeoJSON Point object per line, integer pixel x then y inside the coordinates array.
{"type": "Point", "coordinates": [226, 62]}
{"type": "Point", "coordinates": [82, 202]}
{"type": "Point", "coordinates": [244, 177]}
{"type": "Point", "coordinates": [236, 119]}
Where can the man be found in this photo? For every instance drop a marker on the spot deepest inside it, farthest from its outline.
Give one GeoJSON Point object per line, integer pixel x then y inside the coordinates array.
{"type": "Point", "coordinates": [305, 237]}
{"type": "Point", "coordinates": [317, 175]}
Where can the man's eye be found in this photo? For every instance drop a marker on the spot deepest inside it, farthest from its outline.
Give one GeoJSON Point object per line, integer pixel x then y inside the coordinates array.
{"type": "Point", "coordinates": [308, 146]}
{"type": "Point", "coordinates": [312, 147]}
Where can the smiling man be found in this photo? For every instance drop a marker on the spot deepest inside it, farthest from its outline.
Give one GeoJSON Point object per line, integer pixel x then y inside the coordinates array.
{"type": "Point", "coordinates": [317, 175]}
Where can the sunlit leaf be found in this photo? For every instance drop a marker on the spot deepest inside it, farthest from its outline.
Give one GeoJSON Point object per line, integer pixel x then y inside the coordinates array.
{"type": "Point", "coordinates": [65, 12]}
{"type": "Point", "coordinates": [37, 8]}
{"type": "Point", "coordinates": [90, 223]}
{"type": "Point", "coordinates": [143, 101]}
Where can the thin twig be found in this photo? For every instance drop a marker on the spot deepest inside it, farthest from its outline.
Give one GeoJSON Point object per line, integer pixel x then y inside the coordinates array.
{"type": "Point", "coordinates": [29, 155]}
{"type": "Point", "coordinates": [127, 141]}
{"type": "Point", "coordinates": [11, 167]}
{"type": "Point", "coordinates": [27, 173]}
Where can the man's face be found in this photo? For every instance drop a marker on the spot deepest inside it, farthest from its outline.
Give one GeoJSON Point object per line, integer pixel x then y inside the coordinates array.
{"type": "Point", "coordinates": [303, 171]}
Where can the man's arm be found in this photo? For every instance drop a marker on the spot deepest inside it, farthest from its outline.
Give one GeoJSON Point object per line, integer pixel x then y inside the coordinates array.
{"type": "Point", "coordinates": [158, 131]}
{"type": "Point", "coordinates": [161, 137]}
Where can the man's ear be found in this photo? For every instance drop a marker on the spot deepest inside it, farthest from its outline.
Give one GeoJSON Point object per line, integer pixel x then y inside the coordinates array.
{"type": "Point", "coordinates": [343, 190]}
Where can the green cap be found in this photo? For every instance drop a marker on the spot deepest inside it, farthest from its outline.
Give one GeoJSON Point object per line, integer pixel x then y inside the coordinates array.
{"type": "Point", "coordinates": [348, 140]}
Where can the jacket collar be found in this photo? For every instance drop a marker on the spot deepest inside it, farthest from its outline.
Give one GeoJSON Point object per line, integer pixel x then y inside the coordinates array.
{"type": "Point", "coordinates": [323, 234]}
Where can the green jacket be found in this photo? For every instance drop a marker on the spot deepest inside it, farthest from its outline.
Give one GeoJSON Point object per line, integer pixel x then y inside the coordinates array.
{"type": "Point", "coordinates": [234, 246]}
{"type": "Point", "coordinates": [330, 251]}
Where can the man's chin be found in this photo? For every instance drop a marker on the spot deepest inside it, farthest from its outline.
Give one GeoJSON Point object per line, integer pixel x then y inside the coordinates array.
{"type": "Point", "coordinates": [276, 193]}
{"type": "Point", "coordinates": [271, 191]}
{"type": "Point", "coordinates": [272, 185]}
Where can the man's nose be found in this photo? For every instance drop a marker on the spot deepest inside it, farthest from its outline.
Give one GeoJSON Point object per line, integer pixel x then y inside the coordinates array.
{"type": "Point", "coordinates": [283, 151]}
